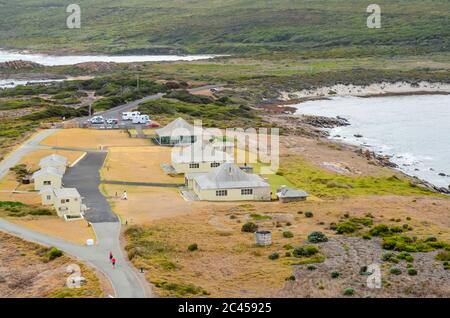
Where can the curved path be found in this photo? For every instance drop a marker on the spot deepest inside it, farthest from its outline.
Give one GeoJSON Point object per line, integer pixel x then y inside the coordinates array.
{"type": "Point", "coordinates": [125, 280]}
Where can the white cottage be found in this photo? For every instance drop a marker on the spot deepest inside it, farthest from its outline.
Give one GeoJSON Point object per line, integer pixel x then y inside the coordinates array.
{"type": "Point", "coordinates": [47, 176]}
{"type": "Point", "coordinates": [199, 157]}
{"type": "Point", "coordinates": [177, 132]}
{"type": "Point", "coordinates": [54, 161]}
{"type": "Point", "coordinates": [68, 203]}
{"type": "Point", "coordinates": [229, 183]}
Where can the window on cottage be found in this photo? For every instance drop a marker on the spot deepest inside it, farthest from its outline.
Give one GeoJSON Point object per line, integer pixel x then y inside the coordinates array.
{"type": "Point", "coordinates": [221, 193]}
{"type": "Point", "coordinates": [246, 191]}
{"type": "Point", "coordinates": [49, 197]}
{"type": "Point", "coordinates": [194, 165]}
{"type": "Point", "coordinates": [215, 164]}
{"type": "Point", "coordinates": [47, 182]}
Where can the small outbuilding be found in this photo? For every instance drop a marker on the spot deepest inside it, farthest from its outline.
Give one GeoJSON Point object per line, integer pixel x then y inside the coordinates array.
{"type": "Point", "coordinates": [229, 183]}
{"type": "Point", "coordinates": [199, 157]}
{"type": "Point", "coordinates": [178, 132]}
{"type": "Point", "coordinates": [286, 194]}
{"type": "Point", "coordinates": [68, 203]}
{"type": "Point", "coordinates": [54, 161]}
{"type": "Point", "coordinates": [47, 176]}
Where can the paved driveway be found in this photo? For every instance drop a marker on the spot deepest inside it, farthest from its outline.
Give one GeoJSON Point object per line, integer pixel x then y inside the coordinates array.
{"type": "Point", "coordinates": [85, 177]}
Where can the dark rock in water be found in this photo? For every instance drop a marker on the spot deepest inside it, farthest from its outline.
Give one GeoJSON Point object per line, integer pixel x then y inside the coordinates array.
{"type": "Point", "coordinates": [358, 136]}
{"type": "Point", "coordinates": [324, 122]}
{"type": "Point", "coordinates": [416, 169]}
{"type": "Point", "coordinates": [442, 174]}
{"type": "Point", "coordinates": [431, 169]}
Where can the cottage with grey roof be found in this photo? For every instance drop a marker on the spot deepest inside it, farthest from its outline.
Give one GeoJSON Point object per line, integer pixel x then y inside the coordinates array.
{"type": "Point", "coordinates": [178, 131]}
{"type": "Point", "coordinates": [229, 183]}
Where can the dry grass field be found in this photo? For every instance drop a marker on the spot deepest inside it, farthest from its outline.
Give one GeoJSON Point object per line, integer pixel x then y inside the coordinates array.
{"type": "Point", "coordinates": [92, 139]}
{"type": "Point", "coordinates": [138, 164]}
{"type": "Point", "coordinates": [74, 231]}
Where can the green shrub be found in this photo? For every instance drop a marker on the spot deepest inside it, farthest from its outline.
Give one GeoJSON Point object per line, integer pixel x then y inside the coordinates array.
{"type": "Point", "coordinates": [395, 271]}
{"type": "Point", "coordinates": [349, 292]}
{"type": "Point", "coordinates": [274, 256]}
{"type": "Point", "coordinates": [290, 278]}
{"type": "Point", "coordinates": [54, 253]}
{"type": "Point", "coordinates": [334, 275]}
{"type": "Point", "coordinates": [309, 214]}
{"type": "Point", "coordinates": [305, 251]}
{"type": "Point", "coordinates": [258, 217]}
{"type": "Point", "coordinates": [405, 256]}
{"type": "Point", "coordinates": [317, 237]}
{"type": "Point", "coordinates": [346, 228]}
{"type": "Point", "coordinates": [193, 247]}
{"type": "Point", "coordinates": [443, 256]}
{"type": "Point", "coordinates": [249, 227]}
{"type": "Point", "coordinates": [412, 272]}
{"type": "Point", "coordinates": [389, 257]}
{"type": "Point", "coordinates": [380, 230]}
{"type": "Point", "coordinates": [288, 234]}
{"type": "Point", "coordinates": [311, 268]}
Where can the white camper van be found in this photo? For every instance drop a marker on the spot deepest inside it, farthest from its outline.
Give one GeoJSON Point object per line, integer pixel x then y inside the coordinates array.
{"type": "Point", "coordinates": [141, 119]}
{"type": "Point", "coordinates": [130, 115]}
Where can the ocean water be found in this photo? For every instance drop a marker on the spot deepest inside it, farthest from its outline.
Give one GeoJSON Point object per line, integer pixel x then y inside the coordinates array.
{"type": "Point", "coordinates": [414, 130]}
{"type": "Point", "coordinates": [9, 83]}
{"type": "Point", "coordinates": [53, 60]}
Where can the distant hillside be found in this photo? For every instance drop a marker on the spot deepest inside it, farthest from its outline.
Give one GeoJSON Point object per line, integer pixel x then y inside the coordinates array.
{"type": "Point", "coordinates": [325, 27]}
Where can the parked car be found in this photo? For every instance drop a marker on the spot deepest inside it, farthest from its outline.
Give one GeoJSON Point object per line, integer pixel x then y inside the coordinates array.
{"type": "Point", "coordinates": [112, 121]}
{"type": "Point", "coordinates": [152, 124]}
{"type": "Point", "coordinates": [97, 120]}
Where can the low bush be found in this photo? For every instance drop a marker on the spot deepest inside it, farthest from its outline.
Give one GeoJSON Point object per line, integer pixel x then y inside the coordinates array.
{"type": "Point", "coordinates": [193, 247]}
{"type": "Point", "coordinates": [309, 214]}
{"type": "Point", "coordinates": [53, 253]}
{"type": "Point", "coordinates": [274, 256]}
{"type": "Point", "coordinates": [317, 237]}
{"type": "Point", "coordinates": [348, 292]}
{"type": "Point", "coordinates": [412, 272]}
{"type": "Point", "coordinates": [288, 234]}
{"type": "Point", "coordinates": [334, 275]}
{"type": "Point", "coordinates": [305, 251]}
{"type": "Point", "coordinates": [249, 227]}
{"type": "Point", "coordinates": [395, 271]}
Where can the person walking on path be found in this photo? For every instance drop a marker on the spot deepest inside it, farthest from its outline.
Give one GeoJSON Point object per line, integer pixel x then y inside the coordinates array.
{"type": "Point", "coordinates": [110, 256]}
{"type": "Point", "coordinates": [113, 261]}
{"type": "Point", "coordinates": [125, 195]}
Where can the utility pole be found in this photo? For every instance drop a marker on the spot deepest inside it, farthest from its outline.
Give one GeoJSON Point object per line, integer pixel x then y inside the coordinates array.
{"type": "Point", "coordinates": [90, 109]}
{"type": "Point", "coordinates": [137, 82]}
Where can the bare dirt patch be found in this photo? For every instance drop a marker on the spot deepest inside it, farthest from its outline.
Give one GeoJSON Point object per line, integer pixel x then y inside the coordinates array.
{"type": "Point", "coordinates": [24, 273]}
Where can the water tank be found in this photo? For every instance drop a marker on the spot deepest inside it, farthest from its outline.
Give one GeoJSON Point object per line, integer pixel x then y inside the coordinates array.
{"type": "Point", "coordinates": [263, 238]}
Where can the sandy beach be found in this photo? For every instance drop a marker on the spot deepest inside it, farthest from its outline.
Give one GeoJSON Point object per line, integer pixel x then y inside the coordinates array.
{"type": "Point", "coordinates": [375, 89]}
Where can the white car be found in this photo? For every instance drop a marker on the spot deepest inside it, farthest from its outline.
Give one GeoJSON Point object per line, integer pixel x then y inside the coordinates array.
{"type": "Point", "coordinates": [97, 120]}
{"type": "Point", "coordinates": [112, 121]}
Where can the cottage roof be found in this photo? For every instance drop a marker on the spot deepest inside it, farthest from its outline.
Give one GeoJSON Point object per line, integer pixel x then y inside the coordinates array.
{"type": "Point", "coordinates": [46, 171]}
{"type": "Point", "coordinates": [67, 193]}
{"type": "Point", "coordinates": [54, 159]}
{"type": "Point", "coordinates": [229, 176]}
{"type": "Point", "coordinates": [178, 127]}
{"type": "Point", "coordinates": [200, 152]}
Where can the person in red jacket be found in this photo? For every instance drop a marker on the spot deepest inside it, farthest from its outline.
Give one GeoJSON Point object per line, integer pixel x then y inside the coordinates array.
{"type": "Point", "coordinates": [113, 261]}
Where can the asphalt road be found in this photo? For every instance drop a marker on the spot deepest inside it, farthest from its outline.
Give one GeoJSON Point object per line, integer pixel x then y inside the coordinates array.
{"type": "Point", "coordinates": [85, 177]}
